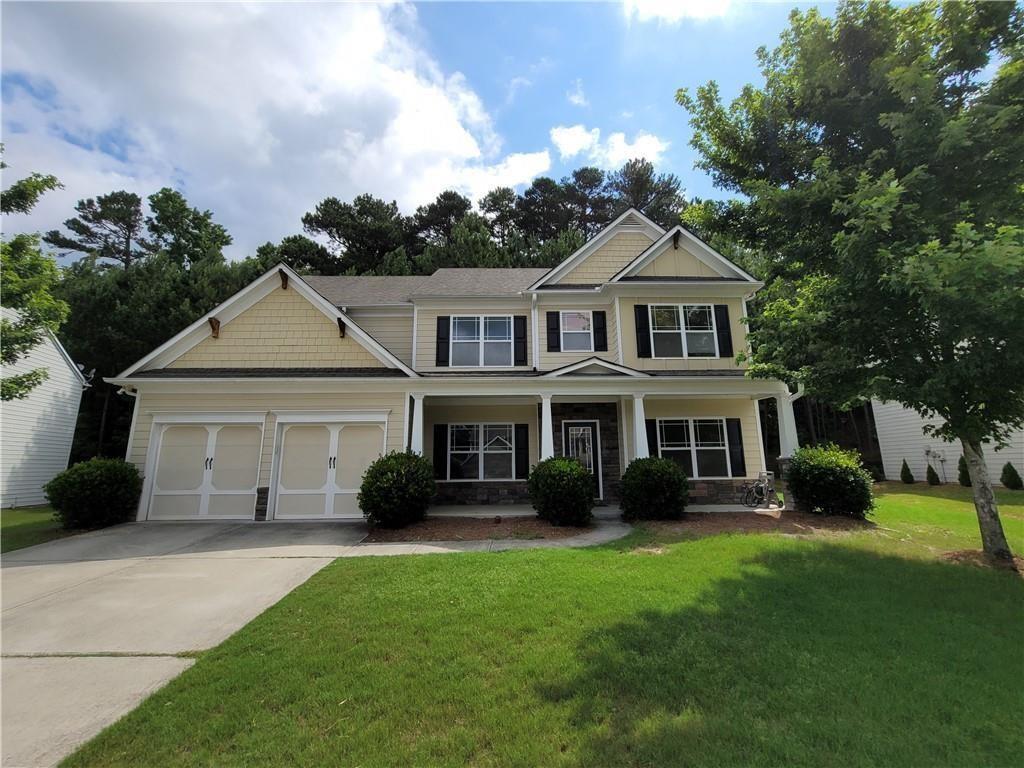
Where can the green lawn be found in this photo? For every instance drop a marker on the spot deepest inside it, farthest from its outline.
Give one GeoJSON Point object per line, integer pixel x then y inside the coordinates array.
{"type": "Point", "coordinates": [853, 649]}
{"type": "Point", "coordinates": [27, 526]}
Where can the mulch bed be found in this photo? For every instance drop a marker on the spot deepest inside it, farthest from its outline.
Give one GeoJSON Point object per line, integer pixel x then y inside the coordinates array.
{"type": "Point", "coordinates": [979, 559]}
{"type": "Point", "coordinates": [474, 529]}
{"type": "Point", "coordinates": [796, 523]}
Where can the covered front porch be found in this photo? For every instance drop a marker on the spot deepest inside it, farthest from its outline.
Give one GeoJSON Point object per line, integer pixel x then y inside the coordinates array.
{"type": "Point", "coordinates": [482, 444]}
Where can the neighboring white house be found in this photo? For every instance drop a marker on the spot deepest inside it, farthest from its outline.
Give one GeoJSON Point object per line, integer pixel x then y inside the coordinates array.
{"type": "Point", "coordinates": [901, 436]}
{"type": "Point", "coordinates": [36, 432]}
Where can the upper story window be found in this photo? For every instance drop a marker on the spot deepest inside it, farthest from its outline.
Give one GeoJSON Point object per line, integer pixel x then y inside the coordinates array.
{"type": "Point", "coordinates": [483, 340]}
{"type": "Point", "coordinates": [683, 330]}
{"type": "Point", "coordinates": [577, 329]}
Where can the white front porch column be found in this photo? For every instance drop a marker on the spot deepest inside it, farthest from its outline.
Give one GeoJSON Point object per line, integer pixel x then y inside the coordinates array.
{"type": "Point", "coordinates": [547, 432]}
{"type": "Point", "coordinates": [640, 428]}
{"type": "Point", "coordinates": [416, 441]}
{"type": "Point", "coordinates": [788, 441]}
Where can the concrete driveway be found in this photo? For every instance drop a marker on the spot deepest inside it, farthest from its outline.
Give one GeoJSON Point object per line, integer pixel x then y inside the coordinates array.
{"type": "Point", "coordinates": [92, 624]}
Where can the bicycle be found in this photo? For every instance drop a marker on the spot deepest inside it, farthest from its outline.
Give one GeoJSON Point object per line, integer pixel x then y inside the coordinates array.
{"type": "Point", "coordinates": [761, 491]}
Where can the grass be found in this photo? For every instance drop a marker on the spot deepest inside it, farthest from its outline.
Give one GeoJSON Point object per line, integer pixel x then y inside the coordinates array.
{"type": "Point", "coordinates": [860, 648]}
{"type": "Point", "coordinates": [27, 526]}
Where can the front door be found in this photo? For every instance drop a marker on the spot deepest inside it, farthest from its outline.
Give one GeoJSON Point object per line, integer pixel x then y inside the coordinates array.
{"type": "Point", "coordinates": [581, 441]}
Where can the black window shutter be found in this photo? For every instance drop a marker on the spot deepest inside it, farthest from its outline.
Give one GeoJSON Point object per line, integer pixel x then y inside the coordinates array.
{"type": "Point", "coordinates": [734, 434]}
{"type": "Point", "coordinates": [440, 451]}
{"type": "Point", "coordinates": [554, 332]}
{"type": "Point", "coordinates": [652, 437]}
{"type": "Point", "coordinates": [724, 330]}
{"type": "Point", "coordinates": [600, 332]}
{"type": "Point", "coordinates": [444, 324]}
{"type": "Point", "coordinates": [522, 450]}
{"type": "Point", "coordinates": [643, 330]}
{"type": "Point", "coordinates": [519, 340]}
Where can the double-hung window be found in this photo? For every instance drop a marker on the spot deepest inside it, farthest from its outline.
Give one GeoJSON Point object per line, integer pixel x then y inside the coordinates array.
{"type": "Point", "coordinates": [577, 328]}
{"type": "Point", "coordinates": [683, 330]}
{"type": "Point", "coordinates": [699, 446]}
{"type": "Point", "coordinates": [481, 452]}
{"type": "Point", "coordinates": [481, 340]}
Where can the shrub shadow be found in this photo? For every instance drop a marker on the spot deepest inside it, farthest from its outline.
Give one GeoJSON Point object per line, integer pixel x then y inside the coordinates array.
{"type": "Point", "coordinates": [810, 656]}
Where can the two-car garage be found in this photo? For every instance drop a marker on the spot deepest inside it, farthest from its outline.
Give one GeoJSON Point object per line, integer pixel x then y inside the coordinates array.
{"type": "Point", "coordinates": [209, 466]}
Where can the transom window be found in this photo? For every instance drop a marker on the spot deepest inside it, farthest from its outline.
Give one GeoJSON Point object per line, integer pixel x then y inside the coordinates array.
{"type": "Point", "coordinates": [577, 331]}
{"type": "Point", "coordinates": [699, 446]}
{"type": "Point", "coordinates": [481, 340]}
{"type": "Point", "coordinates": [481, 452]}
{"type": "Point", "coordinates": [683, 330]}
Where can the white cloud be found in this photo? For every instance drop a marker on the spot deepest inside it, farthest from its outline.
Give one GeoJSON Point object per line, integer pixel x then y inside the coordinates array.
{"type": "Point", "coordinates": [515, 85]}
{"type": "Point", "coordinates": [675, 11]}
{"type": "Point", "coordinates": [575, 140]}
{"type": "Point", "coordinates": [576, 96]}
{"type": "Point", "coordinates": [256, 112]}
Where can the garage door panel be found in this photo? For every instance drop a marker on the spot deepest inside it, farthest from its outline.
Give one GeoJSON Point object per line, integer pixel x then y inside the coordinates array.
{"type": "Point", "coordinates": [233, 505]}
{"type": "Point", "coordinates": [236, 458]}
{"type": "Point", "coordinates": [358, 446]}
{"type": "Point", "coordinates": [346, 505]}
{"type": "Point", "coordinates": [182, 458]}
{"type": "Point", "coordinates": [301, 505]}
{"type": "Point", "coordinates": [175, 507]}
{"type": "Point", "coordinates": [304, 457]}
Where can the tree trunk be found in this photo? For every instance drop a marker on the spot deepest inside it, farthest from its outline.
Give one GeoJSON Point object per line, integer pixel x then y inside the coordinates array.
{"type": "Point", "coordinates": [993, 540]}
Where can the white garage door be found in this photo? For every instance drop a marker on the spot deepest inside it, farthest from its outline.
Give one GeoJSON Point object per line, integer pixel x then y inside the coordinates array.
{"type": "Point", "coordinates": [206, 471]}
{"type": "Point", "coordinates": [321, 468]}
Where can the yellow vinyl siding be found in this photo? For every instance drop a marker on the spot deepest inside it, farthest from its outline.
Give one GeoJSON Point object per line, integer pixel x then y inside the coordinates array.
{"type": "Point", "coordinates": [282, 330]}
{"type": "Point", "coordinates": [198, 402]}
{"type": "Point", "coordinates": [551, 360]}
{"type": "Point", "coordinates": [694, 408]}
{"type": "Point", "coordinates": [426, 331]}
{"type": "Point", "coordinates": [393, 331]}
{"type": "Point", "coordinates": [476, 414]}
{"type": "Point", "coordinates": [677, 263]}
{"type": "Point", "coordinates": [611, 257]}
{"type": "Point", "coordinates": [628, 316]}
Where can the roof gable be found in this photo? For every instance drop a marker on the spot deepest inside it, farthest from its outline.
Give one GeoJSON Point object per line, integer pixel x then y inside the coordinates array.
{"type": "Point", "coordinates": [679, 253]}
{"type": "Point", "coordinates": [631, 223]}
{"type": "Point", "coordinates": [595, 366]}
{"type": "Point", "coordinates": [224, 313]}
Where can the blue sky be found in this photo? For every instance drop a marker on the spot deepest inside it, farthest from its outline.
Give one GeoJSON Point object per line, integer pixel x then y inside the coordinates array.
{"type": "Point", "coordinates": [256, 112]}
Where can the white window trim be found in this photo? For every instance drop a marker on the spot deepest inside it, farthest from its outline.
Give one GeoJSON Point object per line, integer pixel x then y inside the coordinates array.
{"type": "Point", "coordinates": [480, 342]}
{"type": "Point", "coordinates": [682, 332]}
{"type": "Point", "coordinates": [561, 329]}
{"type": "Point", "coordinates": [693, 444]}
{"type": "Point", "coordinates": [480, 466]}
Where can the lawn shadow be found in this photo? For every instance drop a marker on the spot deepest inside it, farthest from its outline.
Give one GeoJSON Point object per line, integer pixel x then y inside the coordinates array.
{"type": "Point", "coordinates": [810, 656]}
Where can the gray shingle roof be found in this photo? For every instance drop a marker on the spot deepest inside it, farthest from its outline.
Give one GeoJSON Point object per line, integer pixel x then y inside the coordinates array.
{"type": "Point", "coordinates": [478, 282]}
{"type": "Point", "coordinates": [364, 290]}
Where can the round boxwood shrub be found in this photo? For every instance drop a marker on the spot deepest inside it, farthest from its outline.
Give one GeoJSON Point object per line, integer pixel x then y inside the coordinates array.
{"type": "Point", "coordinates": [562, 491]}
{"type": "Point", "coordinates": [1010, 477]}
{"type": "Point", "coordinates": [653, 489]}
{"type": "Point", "coordinates": [933, 476]}
{"type": "Point", "coordinates": [95, 493]}
{"type": "Point", "coordinates": [397, 489]}
{"type": "Point", "coordinates": [830, 481]}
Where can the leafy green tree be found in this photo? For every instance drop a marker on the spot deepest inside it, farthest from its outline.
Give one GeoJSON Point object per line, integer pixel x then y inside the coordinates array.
{"type": "Point", "coordinates": [434, 222]}
{"type": "Point", "coordinates": [23, 194]}
{"type": "Point", "coordinates": [657, 195]}
{"type": "Point", "coordinates": [185, 233]}
{"type": "Point", "coordinates": [107, 227]}
{"type": "Point", "coordinates": [301, 254]}
{"type": "Point", "coordinates": [541, 210]}
{"type": "Point", "coordinates": [499, 208]}
{"type": "Point", "coordinates": [588, 200]}
{"type": "Point", "coordinates": [361, 233]}
{"type": "Point", "coordinates": [886, 175]}
{"type": "Point", "coordinates": [28, 277]}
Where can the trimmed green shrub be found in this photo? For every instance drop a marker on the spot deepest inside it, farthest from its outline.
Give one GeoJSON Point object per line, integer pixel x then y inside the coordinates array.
{"type": "Point", "coordinates": [962, 473]}
{"type": "Point", "coordinates": [562, 491]}
{"type": "Point", "coordinates": [653, 489]}
{"type": "Point", "coordinates": [95, 493]}
{"type": "Point", "coordinates": [905, 474]}
{"type": "Point", "coordinates": [830, 481]}
{"type": "Point", "coordinates": [397, 489]}
{"type": "Point", "coordinates": [933, 476]}
{"type": "Point", "coordinates": [1010, 477]}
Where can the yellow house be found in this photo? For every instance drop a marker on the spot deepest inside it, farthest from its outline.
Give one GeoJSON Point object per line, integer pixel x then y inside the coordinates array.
{"type": "Point", "coordinates": [273, 404]}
